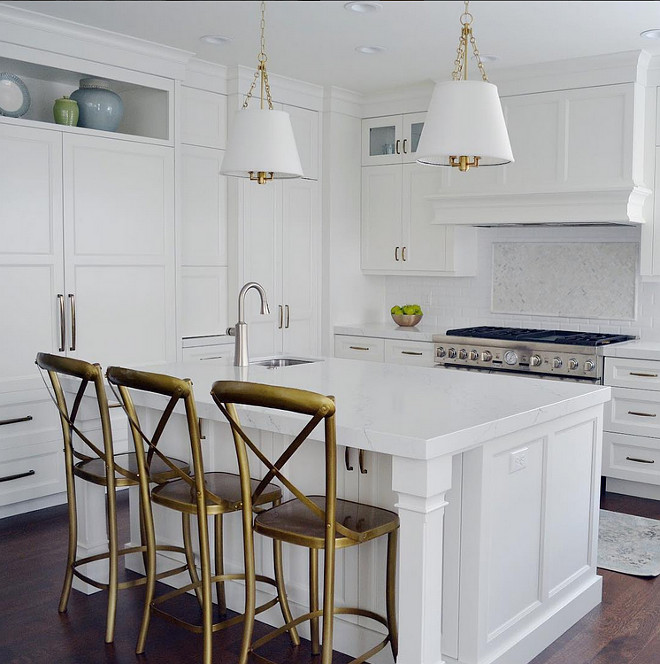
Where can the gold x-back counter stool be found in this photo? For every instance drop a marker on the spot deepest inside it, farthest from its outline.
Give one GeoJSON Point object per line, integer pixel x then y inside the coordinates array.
{"type": "Point", "coordinates": [203, 494]}
{"type": "Point", "coordinates": [99, 465]}
{"type": "Point", "coordinates": [316, 522]}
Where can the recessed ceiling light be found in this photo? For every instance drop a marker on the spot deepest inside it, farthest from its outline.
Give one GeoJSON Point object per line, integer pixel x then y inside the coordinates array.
{"type": "Point", "coordinates": [363, 7]}
{"type": "Point", "coordinates": [370, 50]}
{"type": "Point", "coordinates": [651, 34]}
{"type": "Point", "coordinates": [215, 39]}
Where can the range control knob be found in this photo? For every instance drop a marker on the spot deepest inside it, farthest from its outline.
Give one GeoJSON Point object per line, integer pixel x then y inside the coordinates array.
{"type": "Point", "coordinates": [440, 352]}
{"type": "Point", "coordinates": [511, 357]}
{"type": "Point", "coordinates": [589, 365]}
{"type": "Point", "coordinates": [557, 363]}
{"type": "Point", "coordinates": [486, 356]}
{"type": "Point", "coordinates": [535, 360]}
{"type": "Point", "coordinates": [573, 364]}
{"type": "Point", "coordinates": [474, 355]}
{"type": "Point", "coordinates": [451, 353]}
{"type": "Point", "coordinates": [462, 354]}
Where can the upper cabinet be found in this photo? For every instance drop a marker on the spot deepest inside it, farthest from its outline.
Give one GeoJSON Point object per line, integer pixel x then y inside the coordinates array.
{"type": "Point", "coordinates": [305, 125]}
{"type": "Point", "coordinates": [392, 139]}
{"type": "Point", "coordinates": [575, 162]}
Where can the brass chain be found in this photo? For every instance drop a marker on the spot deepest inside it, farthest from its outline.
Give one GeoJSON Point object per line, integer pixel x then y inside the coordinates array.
{"type": "Point", "coordinates": [460, 63]}
{"type": "Point", "coordinates": [261, 68]}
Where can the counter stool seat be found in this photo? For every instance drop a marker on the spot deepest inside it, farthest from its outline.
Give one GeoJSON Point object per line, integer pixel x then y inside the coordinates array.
{"type": "Point", "coordinates": [94, 470]}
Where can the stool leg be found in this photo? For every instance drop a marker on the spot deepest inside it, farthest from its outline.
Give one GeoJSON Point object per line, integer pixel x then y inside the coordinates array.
{"type": "Point", "coordinates": [207, 604]}
{"type": "Point", "coordinates": [190, 558]}
{"type": "Point", "coordinates": [328, 602]}
{"type": "Point", "coordinates": [314, 599]}
{"type": "Point", "coordinates": [390, 591]}
{"type": "Point", "coordinates": [250, 585]}
{"type": "Point", "coordinates": [281, 591]}
{"type": "Point", "coordinates": [72, 547]}
{"type": "Point", "coordinates": [150, 555]}
{"type": "Point", "coordinates": [111, 511]}
{"type": "Point", "coordinates": [220, 564]}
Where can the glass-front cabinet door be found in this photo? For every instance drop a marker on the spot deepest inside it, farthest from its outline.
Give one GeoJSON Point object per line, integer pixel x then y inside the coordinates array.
{"type": "Point", "coordinates": [392, 139]}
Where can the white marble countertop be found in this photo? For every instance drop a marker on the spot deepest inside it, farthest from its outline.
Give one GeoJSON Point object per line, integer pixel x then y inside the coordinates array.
{"type": "Point", "coordinates": [413, 412]}
{"type": "Point", "coordinates": [390, 330]}
{"type": "Point", "coordinates": [641, 350]}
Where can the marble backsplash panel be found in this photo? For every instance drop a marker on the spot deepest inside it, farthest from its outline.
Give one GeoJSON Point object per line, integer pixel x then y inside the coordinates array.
{"type": "Point", "coordinates": [585, 280]}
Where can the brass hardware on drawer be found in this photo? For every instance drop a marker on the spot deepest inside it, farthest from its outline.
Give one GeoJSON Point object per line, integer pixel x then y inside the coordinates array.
{"type": "Point", "coordinates": [410, 352]}
{"type": "Point", "coordinates": [359, 347]}
{"type": "Point", "coordinates": [347, 459]}
{"type": "Point", "coordinates": [643, 375]}
{"type": "Point", "coordinates": [636, 460]}
{"type": "Point", "coordinates": [363, 470]}
{"type": "Point", "coordinates": [211, 357]}
{"type": "Point", "coordinates": [635, 412]}
{"type": "Point", "coordinates": [9, 478]}
{"type": "Point", "coordinates": [16, 420]}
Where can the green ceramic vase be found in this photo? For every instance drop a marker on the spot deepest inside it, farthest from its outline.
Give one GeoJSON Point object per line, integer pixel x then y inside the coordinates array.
{"type": "Point", "coordinates": [65, 111]}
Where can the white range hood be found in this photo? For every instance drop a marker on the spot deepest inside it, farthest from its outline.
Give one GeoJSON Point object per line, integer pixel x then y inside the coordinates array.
{"type": "Point", "coordinates": [579, 159]}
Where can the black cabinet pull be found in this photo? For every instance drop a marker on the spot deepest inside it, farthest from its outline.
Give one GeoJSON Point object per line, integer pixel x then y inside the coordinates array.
{"type": "Point", "coordinates": [637, 460]}
{"type": "Point", "coordinates": [347, 459]}
{"type": "Point", "coordinates": [9, 478]}
{"type": "Point", "coordinates": [16, 420]}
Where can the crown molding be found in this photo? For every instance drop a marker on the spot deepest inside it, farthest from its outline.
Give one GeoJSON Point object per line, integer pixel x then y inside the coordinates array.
{"type": "Point", "coordinates": [31, 30]}
{"type": "Point", "coordinates": [206, 75]}
{"type": "Point", "coordinates": [340, 100]}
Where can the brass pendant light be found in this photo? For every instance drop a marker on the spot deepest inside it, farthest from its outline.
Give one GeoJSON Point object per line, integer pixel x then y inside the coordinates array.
{"type": "Point", "coordinates": [261, 144]}
{"type": "Point", "coordinates": [465, 126]}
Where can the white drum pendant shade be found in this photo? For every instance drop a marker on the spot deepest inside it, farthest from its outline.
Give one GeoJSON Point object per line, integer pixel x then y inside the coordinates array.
{"type": "Point", "coordinates": [262, 140]}
{"type": "Point", "coordinates": [464, 118]}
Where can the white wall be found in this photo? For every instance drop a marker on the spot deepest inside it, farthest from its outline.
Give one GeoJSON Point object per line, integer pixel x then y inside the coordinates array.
{"type": "Point", "coordinates": [466, 301]}
{"type": "Point", "coordinates": [348, 295]}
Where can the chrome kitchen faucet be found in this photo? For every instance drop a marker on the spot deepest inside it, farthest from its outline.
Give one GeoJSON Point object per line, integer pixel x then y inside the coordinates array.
{"type": "Point", "coordinates": [241, 358]}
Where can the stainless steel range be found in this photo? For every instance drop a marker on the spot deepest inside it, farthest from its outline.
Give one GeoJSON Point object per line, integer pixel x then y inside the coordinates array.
{"type": "Point", "coordinates": [560, 354]}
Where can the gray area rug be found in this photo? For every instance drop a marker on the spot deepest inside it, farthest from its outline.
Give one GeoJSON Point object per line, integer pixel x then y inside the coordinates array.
{"type": "Point", "coordinates": [629, 544]}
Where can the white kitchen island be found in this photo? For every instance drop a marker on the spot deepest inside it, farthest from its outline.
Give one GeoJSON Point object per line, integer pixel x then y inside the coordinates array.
{"type": "Point", "coordinates": [496, 480]}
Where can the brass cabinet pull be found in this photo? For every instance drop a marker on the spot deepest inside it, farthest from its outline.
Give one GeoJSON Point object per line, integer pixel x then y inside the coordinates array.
{"type": "Point", "coordinates": [16, 420]}
{"type": "Point", "coordinates": [72, 304]}
{"type": "Point", "coordinates": [212, 357]}
{"type": "Point", "coordinates": [9, 478]}
{"type": "Point", "coordinates": [60, 297]}
{"type": "Point", "coordinates": [363, 470]}
{"type": "Point", "coordinates": [643, 375]}
{"type": "Point", "coordinates": [635, 412]}
{"type": "Point", "coordinates": [398, 142]}
{"type": "Point", "coordinates": [286, 316]}
{"type": "Point", "coordinates": [359, 347]}
{"type": "Point", "coordinates": [403, 253]}
{"type": "Point", "coordinates": [636, 460]}
{"type": "Point", "coordinates": [396, 253]}
{"type": "Point", "coordinates": [405, 140]}
{"type": "Point", "coordinates": [347, 459]}
{"type": "Point", "coordinates": [410, 352]}
{"type": "Point", "coordinates": [281, 310]}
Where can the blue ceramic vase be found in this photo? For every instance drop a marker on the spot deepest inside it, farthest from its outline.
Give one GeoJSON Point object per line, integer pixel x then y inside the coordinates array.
{"type": "Point", "coordinates": [99, 107]}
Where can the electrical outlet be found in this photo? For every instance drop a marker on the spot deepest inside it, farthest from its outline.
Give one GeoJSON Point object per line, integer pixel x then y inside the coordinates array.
{"type": "Point", "coordinates": [518, 460]}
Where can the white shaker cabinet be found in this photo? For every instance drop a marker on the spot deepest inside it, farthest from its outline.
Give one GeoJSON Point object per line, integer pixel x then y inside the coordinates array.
{"type": "Point", "coordinates": [397, 235]}
{"type": "Point", "coordinates": [278, 239]}
{"type": "Point", "coordinates": [31, 249]}
{"type": "Point", "coordinates": [119, 250]}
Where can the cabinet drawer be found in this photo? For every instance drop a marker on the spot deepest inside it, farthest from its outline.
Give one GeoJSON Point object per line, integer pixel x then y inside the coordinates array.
{"type": "Point", "coordinates": [30, 472]}
{"type": "Point", "coordinates": [29, 418]}
{"type": "Point", "coordinates": [633, 411]}
{"type": "Point", "coordinates": [634, 458]}
{"type": "Point", "coordinates": [638, 374]}
{"type": "Point", "coordinates": [419, 353]}
{"type": "Point", "coordinates": [359, 348]}
{"type": "Point", "coordinates": [208, 352]}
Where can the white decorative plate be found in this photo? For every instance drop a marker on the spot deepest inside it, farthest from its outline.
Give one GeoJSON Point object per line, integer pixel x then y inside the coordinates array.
{"type": "Point", "coordinates": [14, 96]}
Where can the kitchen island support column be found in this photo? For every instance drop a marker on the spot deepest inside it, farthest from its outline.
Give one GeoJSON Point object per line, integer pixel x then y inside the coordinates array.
{"type": "Point", "coordinates": [421, 486]}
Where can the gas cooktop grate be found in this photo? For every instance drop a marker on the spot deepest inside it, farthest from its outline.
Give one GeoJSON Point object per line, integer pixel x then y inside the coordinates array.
{"type": "Point", "coordinates": [567, 337]}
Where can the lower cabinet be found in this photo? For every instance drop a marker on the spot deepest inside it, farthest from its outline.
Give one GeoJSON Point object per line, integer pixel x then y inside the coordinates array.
{"type": "Point", "coordinates": [376, 349]}
{"type": "Point", "coordinates": [631, 439]}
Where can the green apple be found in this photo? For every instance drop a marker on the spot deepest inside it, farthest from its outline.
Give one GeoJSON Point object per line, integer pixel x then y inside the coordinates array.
{"type": "Point", "coordinates": [396, 310]}
{"type": "Point", "coordinates": [409, 310]}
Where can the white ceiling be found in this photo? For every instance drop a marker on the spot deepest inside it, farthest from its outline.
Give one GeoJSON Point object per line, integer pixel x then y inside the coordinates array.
{"type": "Point", "coordinates": [315, 41]}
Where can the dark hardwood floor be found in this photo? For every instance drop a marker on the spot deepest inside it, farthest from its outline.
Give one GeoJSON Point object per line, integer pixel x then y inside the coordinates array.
{"type": "Point", "coordinates": [625, 628]}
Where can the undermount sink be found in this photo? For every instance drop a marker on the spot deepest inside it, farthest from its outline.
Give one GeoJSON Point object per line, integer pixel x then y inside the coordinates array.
{"type": "Point", "coordinates": [277, 362]}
